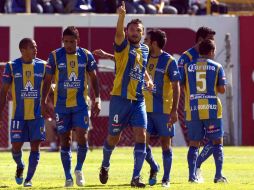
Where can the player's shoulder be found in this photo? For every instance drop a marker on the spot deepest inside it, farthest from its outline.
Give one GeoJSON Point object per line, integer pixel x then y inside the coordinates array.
{"type": "Point", "coordinates": [214, 63]}
{"type": "Point", "coordinates": [58, 50]}
{"type": "Point", "coordinates": [144, 47]}
{"type": "Point", "coordinates": [84, 50]}
{"type": "Point", "coordinates": [40, 61]}
{"type": "Point", "coordinates": [168, 55]}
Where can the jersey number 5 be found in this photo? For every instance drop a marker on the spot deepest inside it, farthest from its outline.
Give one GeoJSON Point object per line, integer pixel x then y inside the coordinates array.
{"type": "Point", "coordinates": [201, 81]}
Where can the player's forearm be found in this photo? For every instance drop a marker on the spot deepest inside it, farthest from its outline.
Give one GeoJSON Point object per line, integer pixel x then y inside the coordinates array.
{"type": "Point", "coordinates": [176, 95]}
{"type": "Point", "coordinates": [45, 89]}
{"type": "Point", "coordinates": [2, 100]}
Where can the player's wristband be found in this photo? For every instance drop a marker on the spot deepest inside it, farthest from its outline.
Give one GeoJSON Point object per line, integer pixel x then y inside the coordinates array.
{"type": "Point", "coordinates": [98, 100]}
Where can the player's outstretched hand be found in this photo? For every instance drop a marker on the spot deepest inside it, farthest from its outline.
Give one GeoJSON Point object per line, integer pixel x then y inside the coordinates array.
{"type": "Point", "coordinates": [96, 109]}
{"type": "Point", "coordinates": [121, 10]}
{"type": "Point", "coordinates": [100, 53]}
{"type": "Point", "coordinates": [173, 118]}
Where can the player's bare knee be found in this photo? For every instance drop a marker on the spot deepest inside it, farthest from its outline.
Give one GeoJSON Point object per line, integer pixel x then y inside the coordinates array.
{"type": "Point", "coordinates": [218, 141]}
{"type": "Point", "coordinates": [139, 134]}
{"type": "Point", "coordinates": [113, 140]}
{"type": "Point", "coordinates": [165, 143]}
{"type": "Point", "coordinates": [194, 144]}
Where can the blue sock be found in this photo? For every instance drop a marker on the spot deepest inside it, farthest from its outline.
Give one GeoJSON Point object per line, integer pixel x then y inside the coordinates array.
{"type": "Point", "coordinates": [139, 158]}
{"type": "Point", "coordinates": [107, 151]}
{"type": "Point", "coordinates": [33, 162]}
{"type": "Point", "coordinates": [66, 161]}
{"type": "Point", "coordinates": [218, 158]}
{"type": "Point", "coordinates": [17, 157]}
{"type": "Point", "coordinates": [149, 158]}
{"type": "Point", "coordinates": [205, 153]}
{"type": "Point", "coordinates": [81, 156]}
{"type": "Point", "coordinates": [167, 162]}
{"type": "Point", "coordinates": [192, 159]}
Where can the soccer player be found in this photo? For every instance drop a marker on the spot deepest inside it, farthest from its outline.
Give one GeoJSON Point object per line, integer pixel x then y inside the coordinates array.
{"type": "Point", "coordinates": [127, 106]}
{"type": "Point", "coordinates": [161, 102]}
{"type": "Point", "coordinates": [203, 79]}
{"type": "Point", "coordinates": [69, 66]}
{"type": "Point", "coordinates": [25, 77]}
{"type": "Point", "coordinates": [191, 54]}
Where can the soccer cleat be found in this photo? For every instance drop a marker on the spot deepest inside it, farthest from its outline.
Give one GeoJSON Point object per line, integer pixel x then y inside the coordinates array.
{"type": "Point", "coordinates": [103, 175]}
{"type": "Point", "coordinates": [137, 182]}
{"type": "Point", "coordinates": [221, 180]}
{"type": "Point", "coordinates": [199, 175]}
{"type": "Point", "coordinates": [19, 175]}
{"type": "Point", "coordinates": [69, 183]}
{"type": "Point", "coordinates": [193, 181]}
{"type": "Point", "coordinates": [153, 177]}
{"type": "Point", "coordinates": [80, 181]}
{"type": "Point", "coordinates": [165, 183]}
{"type": "Point", "coordinates": [28, 184]}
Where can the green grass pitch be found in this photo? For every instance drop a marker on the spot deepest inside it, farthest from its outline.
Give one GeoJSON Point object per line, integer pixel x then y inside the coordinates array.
{"type": "Point", "coordinates": [238, 168]}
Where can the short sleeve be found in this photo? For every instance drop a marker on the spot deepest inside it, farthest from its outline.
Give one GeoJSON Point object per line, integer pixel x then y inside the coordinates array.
{"type": "Point", "coordinates": [173, 71]}
{"type": "Point", "coordinates": [91, 64]}
{"type": "Point", "coordinates": [7, 74]}
{"type": "Point", "coordinates": [221, 77]}
{"type": "Point", "coordinates": [51, 65]}
{"type": "Point", "coordinates": [121, 47]}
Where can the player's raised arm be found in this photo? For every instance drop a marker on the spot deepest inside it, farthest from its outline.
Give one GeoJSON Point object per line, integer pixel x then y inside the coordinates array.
{"type": "Point", "coordinates": [120, 35]}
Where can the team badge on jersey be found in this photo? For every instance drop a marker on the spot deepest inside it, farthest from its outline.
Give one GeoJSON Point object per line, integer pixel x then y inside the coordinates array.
{"type": "Point", "coordinates": [72, 64]}
{"type": "Point", "coordinates": [151, 66]}
{"type": "Point", "coordinates": [28, 74]}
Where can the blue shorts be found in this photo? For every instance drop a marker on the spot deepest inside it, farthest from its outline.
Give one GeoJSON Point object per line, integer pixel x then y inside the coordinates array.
{"type": "Point", "coordinates": [124, 112]}
{"type": "Point", "coordinates": [157, 124]}
{"type": "Point", "coordinates": [210, 128]}
{"type": "Point", "coordinates": [27, 130]}
{"type": "Point", "coordinates": [71, 119]}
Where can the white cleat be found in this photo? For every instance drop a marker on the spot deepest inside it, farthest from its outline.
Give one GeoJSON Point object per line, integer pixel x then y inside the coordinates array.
{"type": "Point", "coordinates": [165, 183]}
{"type": "Point", "coordinates": [199, 175]}
{"type": "Point", "coordinates": [80, 181]}
{"type": "Point", "coordinates": [68, 183]}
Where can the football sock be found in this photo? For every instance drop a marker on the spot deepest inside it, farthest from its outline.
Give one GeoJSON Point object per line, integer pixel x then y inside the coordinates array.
{"type": "Point", "coordinates": [66, 161]}
{"type": "Point", "coordinates": [149, 158]}
{"type": "Point", "coordinates": [167, 162]}
{"type": "Point", "coordinates": [33, 162]}
{"type": "Point", "coordinates": [192, 159]}
{"type": "Point", "coordinates": [205, 153]}
{"type": "Point", "coordinates": [81, 155]}
{"type": "Point", "coordinates": [107, 151]}
{"type": "Point", "coordinates": [218, 158]}
{"type": "Point", "coordinates": [17, 157]}
{"type": "Point", "coordinates": [139, 157]}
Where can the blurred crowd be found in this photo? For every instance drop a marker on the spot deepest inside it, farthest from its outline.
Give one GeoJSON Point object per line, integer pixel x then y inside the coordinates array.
{"type": "Point", "coordinates": [195, 7]}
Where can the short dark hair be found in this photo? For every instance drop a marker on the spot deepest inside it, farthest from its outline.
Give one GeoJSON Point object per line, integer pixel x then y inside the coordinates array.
{"type": "Point", "coordinates": [206, 46]}
{"type": "Point", "coordinates": [71, 31]}
{"type": "Point", "coordinates": [25, 42]}
{"type": "Point", "coordinates": [159, 36]}
{"type": "Point", "coordinates": [134, 21]}
{"type": "Point", "coordinates": [203, 32]}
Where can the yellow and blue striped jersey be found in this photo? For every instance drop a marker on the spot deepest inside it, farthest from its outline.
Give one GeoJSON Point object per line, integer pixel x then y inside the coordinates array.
{"type": "Point", "coordinates": [187, 56]}
{"type": "Point", "coordinates": [201, 79]}
{"type": "Point", "coordinates": [70, 72]}
{"type": "Point", "coordinates": [162, 70]}
{"type": "Point", "coordinates": [129, 70]}
{"type": "Point", "coordinates": [26, 81]}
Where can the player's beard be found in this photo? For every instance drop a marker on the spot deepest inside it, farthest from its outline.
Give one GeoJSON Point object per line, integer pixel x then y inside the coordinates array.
{"type": "Point", "coordinates": [135, 40]}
